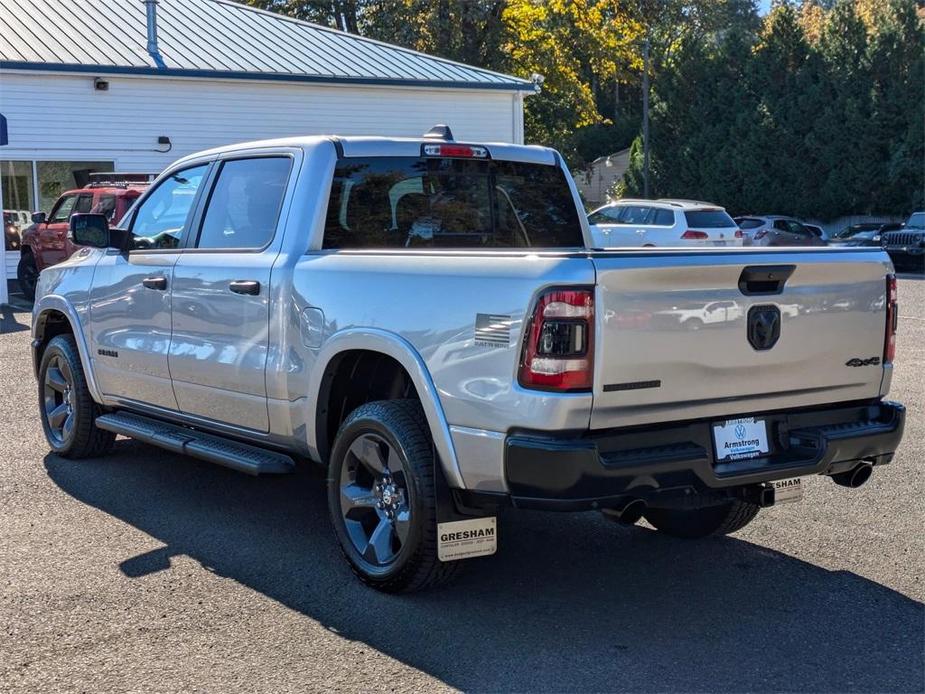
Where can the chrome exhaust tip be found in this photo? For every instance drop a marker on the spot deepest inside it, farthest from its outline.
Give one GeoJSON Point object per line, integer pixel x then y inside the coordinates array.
{"type": "Point", "coordinates": [629, 514]}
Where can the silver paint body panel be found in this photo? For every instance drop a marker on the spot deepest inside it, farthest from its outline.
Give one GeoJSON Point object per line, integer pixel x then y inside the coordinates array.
{"type": "Point", "coordinates": [251, 366]}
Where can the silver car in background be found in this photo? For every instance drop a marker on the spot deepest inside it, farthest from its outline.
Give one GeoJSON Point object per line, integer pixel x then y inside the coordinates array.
{"type": "Point", "coordinates": [776, 230]}
{"type": "Point", "coordinates": [663, 222]}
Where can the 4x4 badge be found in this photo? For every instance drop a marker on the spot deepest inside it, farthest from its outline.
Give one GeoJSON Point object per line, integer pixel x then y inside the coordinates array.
{"type": "Point", "coordinates": [873, 361]}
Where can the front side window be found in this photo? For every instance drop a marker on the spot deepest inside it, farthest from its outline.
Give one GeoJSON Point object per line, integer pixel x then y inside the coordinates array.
{"type": "Point", "coordinates": [159, 221]}
{"type": "Point", "coordinates": [422, 202]}
{"type": "Point", "coordinates": [63, 209]}
{"type": "Point", "coordinates": [244, 206]}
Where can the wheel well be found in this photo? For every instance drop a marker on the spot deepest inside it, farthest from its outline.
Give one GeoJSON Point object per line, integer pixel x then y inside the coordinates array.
{"type": "Point", "coordinates": [49, 324]}
{"type": "Point", "coordinates": [351, 379]}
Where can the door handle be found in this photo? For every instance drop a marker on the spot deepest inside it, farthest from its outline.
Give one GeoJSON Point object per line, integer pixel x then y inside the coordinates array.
{"type": "Point", "coordinates": [245, 287]}
{"type": "Point", "coordinates": [159, 283]}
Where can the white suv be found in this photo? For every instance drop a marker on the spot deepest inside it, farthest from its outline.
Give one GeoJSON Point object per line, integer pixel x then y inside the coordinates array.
{"type": "Point", "coordinates": [662, 223]}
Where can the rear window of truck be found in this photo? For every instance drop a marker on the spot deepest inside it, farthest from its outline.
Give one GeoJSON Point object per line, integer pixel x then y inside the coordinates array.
{"type": "Point", "coordinates": [709, 219]}
{"type": "Point", "coordinates": [420, 202]}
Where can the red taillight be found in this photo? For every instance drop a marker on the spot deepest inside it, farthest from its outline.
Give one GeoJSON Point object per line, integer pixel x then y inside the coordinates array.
{"type": "Point", "coordinates": [558, 351]}
{"type": "Point", "coordinates": [696, 235]}
{"type": "Point", "coordinates": [892, 319]}
{"type": "Point", "coordinates": [761, 234]}
{"type": "Point", "coordinates": [459, 151]}
{"type": "Point", "coordinates": [739, 234]}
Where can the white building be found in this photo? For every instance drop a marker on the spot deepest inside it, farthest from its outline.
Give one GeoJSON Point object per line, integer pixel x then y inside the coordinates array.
{"type": "Point", "coordinates": [596, 182]}
{"type": "Point", "coordinates": [128, 85]}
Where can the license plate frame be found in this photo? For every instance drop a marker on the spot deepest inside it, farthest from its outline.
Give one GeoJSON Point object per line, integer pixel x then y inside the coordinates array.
{"type": "Point", "coordinates": [742, 438]}
{"type": "Point", "coordinates": [788, 491]}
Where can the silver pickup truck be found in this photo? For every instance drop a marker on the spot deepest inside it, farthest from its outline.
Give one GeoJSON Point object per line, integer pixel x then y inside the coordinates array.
{"type": "Point", "coordinates": [426, 319]}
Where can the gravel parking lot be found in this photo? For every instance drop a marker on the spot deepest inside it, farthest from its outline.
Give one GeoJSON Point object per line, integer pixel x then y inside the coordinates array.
{"type": "Point", "coordinates": [146, 571]}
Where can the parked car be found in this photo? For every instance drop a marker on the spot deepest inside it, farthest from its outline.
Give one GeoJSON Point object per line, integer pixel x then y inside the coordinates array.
{"type": "Point", "coordinates": [907, 246]}
{"type": "Point", "coordinates": [424, 318]}
{"type": "Point", "coordinates": [818, 232]}
{"type": "Point", "coordinates": [665, 222]}
{"type": "Point", "coordinates": [863, 234]}
{"type": "Point", "coordinates": [776, 230]}
{"type": "Point", "coordinates": [45, 242]}
{"type": "Point", "coordinates": [14, 222]}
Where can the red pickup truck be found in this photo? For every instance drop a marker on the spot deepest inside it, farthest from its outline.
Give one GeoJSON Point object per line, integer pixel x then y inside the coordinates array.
{"type": "Point", "coordinates": [45, 243]}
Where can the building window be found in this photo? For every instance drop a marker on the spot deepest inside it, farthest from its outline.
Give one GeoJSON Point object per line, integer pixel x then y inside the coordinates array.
{"type": "Point", "coordinates": [18, 196]}
{"type": "Point", "coordinates": [35, 186]}
{"type": "Point", "coordinates": [56, 177]}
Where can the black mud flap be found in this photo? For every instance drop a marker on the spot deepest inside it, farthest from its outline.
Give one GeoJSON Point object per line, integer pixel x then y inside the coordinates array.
{"type": "Point", "coordinates": [464, 529]}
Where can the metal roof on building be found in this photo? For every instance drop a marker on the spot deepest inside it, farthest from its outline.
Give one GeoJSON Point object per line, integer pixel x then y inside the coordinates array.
{"type": "Point", "coordinates": [218, 39]}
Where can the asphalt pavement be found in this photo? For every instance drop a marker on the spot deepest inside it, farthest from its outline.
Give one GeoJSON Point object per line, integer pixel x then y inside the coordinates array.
{"type": "Point", "coordinates": [147, 571]}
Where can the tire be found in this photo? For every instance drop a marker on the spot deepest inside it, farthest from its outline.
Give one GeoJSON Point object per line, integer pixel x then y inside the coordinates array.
{"type": "Point", "coordinates": [383, 454]}
{"type": "Point", "coordinates": [701, 522]}
{"type": "Point", "coordinates": [67, 410]}
{"type": "Point", "coordinates": [693, 324]}
{"type": "Point", "coordinates": [27, 275]}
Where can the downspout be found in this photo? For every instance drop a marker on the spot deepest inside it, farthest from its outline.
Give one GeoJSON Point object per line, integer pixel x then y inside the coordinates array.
{"type": "Point", "coordinates": [151, 21]}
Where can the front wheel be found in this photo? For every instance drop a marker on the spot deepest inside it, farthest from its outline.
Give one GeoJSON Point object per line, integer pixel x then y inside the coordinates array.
{"type": "Point", "coordinates": [67, 409]}
{"type": "Point", "coordinates": [27, 275]}
{"type": "Point", "coordinates": [701, 522]}
{"type": "Point", "coordinates": [382, 498]}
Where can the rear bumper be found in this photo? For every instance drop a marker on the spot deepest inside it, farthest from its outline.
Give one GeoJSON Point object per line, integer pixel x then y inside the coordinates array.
{"type": "Point", "coordinates": [664, 464]}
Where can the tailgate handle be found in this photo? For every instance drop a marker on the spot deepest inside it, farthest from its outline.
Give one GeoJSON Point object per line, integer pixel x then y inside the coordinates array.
{"type": "Point", "coordinates": [757, 280]}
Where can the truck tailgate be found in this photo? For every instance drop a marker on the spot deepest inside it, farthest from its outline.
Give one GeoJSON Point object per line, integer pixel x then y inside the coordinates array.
{"type": "Point", "coordinates": [673, 333]}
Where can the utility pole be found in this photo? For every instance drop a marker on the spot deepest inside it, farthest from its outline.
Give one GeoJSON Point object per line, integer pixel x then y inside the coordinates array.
{"type": "Point", "coordinates": [645, 118]}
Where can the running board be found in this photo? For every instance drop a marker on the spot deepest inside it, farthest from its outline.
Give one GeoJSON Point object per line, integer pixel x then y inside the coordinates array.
{"type": "Point", "coordinates": [214, 449]}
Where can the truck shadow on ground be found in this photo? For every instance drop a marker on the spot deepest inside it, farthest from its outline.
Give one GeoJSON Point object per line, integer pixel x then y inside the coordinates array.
{"type": "Point", "coordinates": [13, 320]}
{"type": "Point", "coordinates": [571, 602]}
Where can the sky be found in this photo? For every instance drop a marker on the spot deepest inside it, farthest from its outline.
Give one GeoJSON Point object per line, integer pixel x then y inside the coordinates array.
{"type": "Point", "coordinates": [764, 6]}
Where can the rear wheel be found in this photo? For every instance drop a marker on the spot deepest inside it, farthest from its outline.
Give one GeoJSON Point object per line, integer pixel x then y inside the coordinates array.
{"type": "Point", "coordinates": [27, 274]}
{"type": "Point", "coordinates": [67, 409]}
{"type": "Point", "coordinates": [382, 498]}
{"type": "Point", "coordinates": [701, 522]}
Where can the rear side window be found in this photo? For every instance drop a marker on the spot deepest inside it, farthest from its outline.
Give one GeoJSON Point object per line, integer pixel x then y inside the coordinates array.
{"type": "Point", "coordinates": [107, 206]}
{"type": "Point", "coordinates": [418, 202]}
{"type": "Point", "coordinates": [84, 203]}
{"type": "Point", "coordinates": [634, 214]}
{"type": "Point", "coordinates": [709, 219]}
{"type": "Point", "coordinates": [663, 218]}
{"type": "Point", "coordinates": [245, 202]}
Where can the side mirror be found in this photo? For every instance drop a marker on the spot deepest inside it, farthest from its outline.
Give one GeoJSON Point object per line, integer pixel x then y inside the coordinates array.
{"type": "Point", "coordinates": [90, 229]}
{"type": "Point", "coordinates": [39, 217]}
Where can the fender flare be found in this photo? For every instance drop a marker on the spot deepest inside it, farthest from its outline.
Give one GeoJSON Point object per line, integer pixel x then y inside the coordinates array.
{"type": "Point", "coordinates": [54, 302]}
{"type": "Point", "coordinates": [402, 351]}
